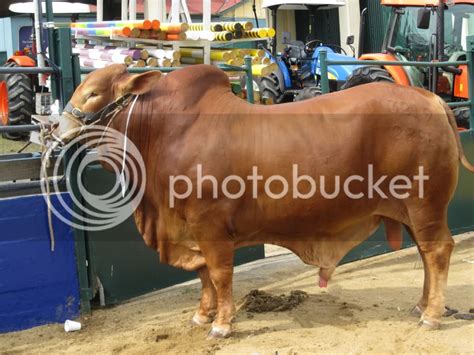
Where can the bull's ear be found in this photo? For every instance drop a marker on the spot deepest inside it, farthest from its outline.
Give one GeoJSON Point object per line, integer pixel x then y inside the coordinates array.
{"type": "Point", "coordinates": [141, 83]}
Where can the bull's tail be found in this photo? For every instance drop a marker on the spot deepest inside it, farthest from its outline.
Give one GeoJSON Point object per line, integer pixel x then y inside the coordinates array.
{"type": "Point", "coordinates": [454, 127]}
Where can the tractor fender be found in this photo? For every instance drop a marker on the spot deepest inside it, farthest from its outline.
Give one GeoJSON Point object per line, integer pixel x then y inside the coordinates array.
{"type": "Point", "coordinates": [397, 73]}
{"type": "Point", "coordinates": [22, 60]}
{"type": "Point", "coordinates": [283, 74]}
{"type": "Point", "coordinates": [335, 72]}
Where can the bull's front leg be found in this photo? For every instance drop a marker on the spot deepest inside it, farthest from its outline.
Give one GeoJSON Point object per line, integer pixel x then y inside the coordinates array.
{"type": "Point", "coordinates": [208, 306]}
{"type": "Point", "coordinates": [220, 262]}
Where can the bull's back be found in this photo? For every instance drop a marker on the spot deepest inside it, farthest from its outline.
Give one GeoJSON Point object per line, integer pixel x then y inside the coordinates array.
{"type": "Point", "coordinates": [394, 129]}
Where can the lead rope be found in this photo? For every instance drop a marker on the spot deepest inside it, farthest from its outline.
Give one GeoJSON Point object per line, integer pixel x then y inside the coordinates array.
{"type": "Point", "coordinates": [44, 135]}
{"type": "Point", "coordinates": [122, 175]}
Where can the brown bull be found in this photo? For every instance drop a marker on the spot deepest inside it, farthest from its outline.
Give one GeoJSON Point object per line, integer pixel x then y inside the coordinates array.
{"type": "Point", "coordinates": [190, 120]}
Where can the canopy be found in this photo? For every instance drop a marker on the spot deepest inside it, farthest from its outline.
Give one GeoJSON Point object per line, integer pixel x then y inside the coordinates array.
{"type": "Point", "coordinates": [6, 12]}
{"type": "Point", "coordinates": [58, 8]}
{"type": "Point", "coordinates": [301, 4]}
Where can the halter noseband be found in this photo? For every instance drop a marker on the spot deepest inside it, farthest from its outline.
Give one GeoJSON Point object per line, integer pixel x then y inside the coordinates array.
{"type": "Point", "coordinates": [91, 118]}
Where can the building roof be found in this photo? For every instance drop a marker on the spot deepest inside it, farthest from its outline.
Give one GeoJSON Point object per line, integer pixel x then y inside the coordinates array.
{"type": "Point", "coordinates": [195, 6]}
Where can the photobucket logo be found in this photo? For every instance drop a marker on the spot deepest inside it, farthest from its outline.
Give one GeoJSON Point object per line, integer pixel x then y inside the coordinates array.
{"type": "Point", "coordinates": [278, 187]}
{"type": "Point", "coordinates": [95, 212]}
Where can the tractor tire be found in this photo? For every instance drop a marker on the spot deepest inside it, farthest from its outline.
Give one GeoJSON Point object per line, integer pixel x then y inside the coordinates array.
{"type": "Point", "coordinates": [366, 75]}
{"type": "Point", "coordinates": [270, 88]}
{"type": "Point", "coordinates": [462, 115]}
{"type": "Point", "coordinates": [20, 101]}
{"type": "Point", "coordinates": [307, 93]}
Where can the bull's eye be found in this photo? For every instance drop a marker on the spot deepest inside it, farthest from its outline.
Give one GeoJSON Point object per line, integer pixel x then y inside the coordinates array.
{"type": "Point", "coordinates": [91, 95]}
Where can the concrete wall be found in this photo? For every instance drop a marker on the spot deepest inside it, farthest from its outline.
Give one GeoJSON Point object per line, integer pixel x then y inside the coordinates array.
{"type": "Point", "coordinates": [285, 23]}
{"type": "Point", "coordinates": [349, 22]}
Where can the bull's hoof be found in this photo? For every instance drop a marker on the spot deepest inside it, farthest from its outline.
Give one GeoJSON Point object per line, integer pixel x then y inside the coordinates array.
{"type": "Point", "coordinates": [219, 332]}
{"type": "Point", "coordinates": [427, 324]}
{"type": "Point", "coordinates": [416, 311]}
{"type": "Point", "coordinates": [199, 319]}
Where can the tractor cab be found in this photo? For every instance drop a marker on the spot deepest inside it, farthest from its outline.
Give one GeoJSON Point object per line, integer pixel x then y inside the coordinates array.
{"type": "Point", "coordinates": [414, 31]}
{"type": "Point", "coordinates": [423, 34]}
{"type": "Point", "coordinates": [298, 73]}
{"type": "Point", "coordinates": [423, 31]}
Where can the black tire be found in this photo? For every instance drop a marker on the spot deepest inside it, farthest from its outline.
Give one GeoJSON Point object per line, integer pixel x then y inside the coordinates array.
{"type": "Point", "coordinates": [366, 75]}
{"type": "Point", "coordinates": [270, 88]}
{"type": "Point", "coordinates": [20, 101]}
{"type": "Point", "coordinates": [307, 93]}
{"type": "Point", "coordinates": [462, 115]}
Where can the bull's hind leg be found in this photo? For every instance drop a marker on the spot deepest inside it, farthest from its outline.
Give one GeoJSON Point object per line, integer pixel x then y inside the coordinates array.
{"type": "Point", "coordinates": [435, 245]}
{"type": "Point", "coordinates": [208, 306]}
{"type": "Point", "coordinates": [423, 302]}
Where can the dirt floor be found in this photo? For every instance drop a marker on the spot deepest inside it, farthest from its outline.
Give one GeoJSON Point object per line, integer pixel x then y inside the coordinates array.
{"type": "Point", "coordinates": [365, 309]}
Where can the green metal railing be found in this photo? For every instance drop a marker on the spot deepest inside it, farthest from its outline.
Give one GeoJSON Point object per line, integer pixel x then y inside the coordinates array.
{"type": "Point", "coordinates": [247, 68]}
{"type": "Point", "coordinates": [325, 63]}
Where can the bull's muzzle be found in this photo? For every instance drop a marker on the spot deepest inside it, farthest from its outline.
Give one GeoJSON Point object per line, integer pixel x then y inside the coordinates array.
{"type": "Point", "coordinates": [66, 129]}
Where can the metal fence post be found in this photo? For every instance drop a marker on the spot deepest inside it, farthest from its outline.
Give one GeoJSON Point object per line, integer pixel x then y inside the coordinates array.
{"type": "Point", "coordinates": [50, 20]}
{"type": "Point", "coordinates": [80, 240]}
{"type": "Point", "coordinates": [324, 71]}
{"type": "Point", "coordinates": [62, 55]}
{"type": "Point", "coordinates": [69, 78]}
{"type": "Point", "coordinates": [470, 59]}
{"type": "Point", "coordinates": [249, 77]}
{"type": "Point", "coordinates": [76, 70]}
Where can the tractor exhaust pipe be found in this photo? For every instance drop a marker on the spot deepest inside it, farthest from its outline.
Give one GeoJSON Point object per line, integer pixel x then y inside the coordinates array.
{"type": "Point", "coordinates": [273, 10]}
{"type": "Point", "coordinates": [39, 38]}
{"type": "Point", "coordinates": [363, 18]}
{"type": "Point", "coordinates": [440, 30]}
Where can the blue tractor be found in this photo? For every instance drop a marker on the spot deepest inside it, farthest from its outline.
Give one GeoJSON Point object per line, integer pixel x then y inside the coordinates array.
{"type": "Point", "coordinates": [298, 75]}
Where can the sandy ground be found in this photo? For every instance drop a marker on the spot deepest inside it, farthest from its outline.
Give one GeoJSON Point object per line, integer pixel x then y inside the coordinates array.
{"type": "Point", "coordinates": [365, 309]}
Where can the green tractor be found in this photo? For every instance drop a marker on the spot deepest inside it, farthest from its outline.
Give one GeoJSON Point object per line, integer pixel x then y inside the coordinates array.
{"type": "Point", "coordinates": [420, 30]}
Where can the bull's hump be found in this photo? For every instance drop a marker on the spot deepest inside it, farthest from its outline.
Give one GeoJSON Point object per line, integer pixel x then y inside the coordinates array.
{"type": "Point", "coordinates": [200, 77]}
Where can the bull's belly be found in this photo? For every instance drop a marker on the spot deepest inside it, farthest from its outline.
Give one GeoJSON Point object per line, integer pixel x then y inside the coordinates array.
{"type": "Point", "coordinates": [293, 219]}
{"type": "Point", "coordinates": [318, 246]}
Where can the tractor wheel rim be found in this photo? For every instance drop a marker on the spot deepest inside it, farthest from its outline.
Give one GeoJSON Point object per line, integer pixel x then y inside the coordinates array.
{"type": "Point", "coordinates": [3, 103]}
